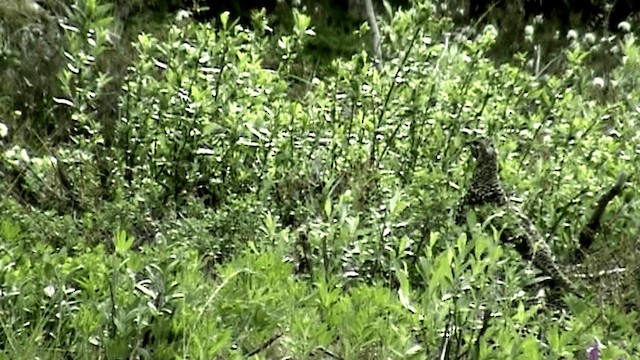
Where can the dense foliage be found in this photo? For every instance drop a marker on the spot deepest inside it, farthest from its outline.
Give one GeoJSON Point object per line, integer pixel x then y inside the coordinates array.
{"type": "Point", "coordinates": [212, 190]}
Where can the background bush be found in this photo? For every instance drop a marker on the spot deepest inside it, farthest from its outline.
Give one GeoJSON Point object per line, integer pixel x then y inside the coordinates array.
{"type": "Point", "coordinates": [217, 190]}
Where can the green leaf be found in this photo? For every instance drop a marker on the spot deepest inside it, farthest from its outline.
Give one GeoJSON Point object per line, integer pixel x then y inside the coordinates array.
{"type": "Point", "coordinates": [122, 241]}
{"type": "Point", "coordinates": [529, 349]}
{"type": "Point", "coordinates": [404, 291]}
{"type": "Point", "coordinates": [396, 204]}
{"type": "Point", "coordinates": [328, 207]}
{"type": "Point", "coordinates": [10, 231]}
{"type": "Point", "coordinates": [224, 19]}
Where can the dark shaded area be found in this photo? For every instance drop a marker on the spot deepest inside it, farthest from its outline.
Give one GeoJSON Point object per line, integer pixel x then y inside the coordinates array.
{"type": "Point", "coordinates": [567, 14]}
{"type": "Point", "coordinates": [621, 10]}
{"type": "Point", "coordinates": [238, 9]}
{"type": "Point", "coordinates": [551, 22]}
{"type": "Point", "coordinates": [337, 10]}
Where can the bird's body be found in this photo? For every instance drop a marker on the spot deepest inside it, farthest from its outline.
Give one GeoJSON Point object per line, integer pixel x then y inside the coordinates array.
{"type": "Point", "coordinates": [516, 228]}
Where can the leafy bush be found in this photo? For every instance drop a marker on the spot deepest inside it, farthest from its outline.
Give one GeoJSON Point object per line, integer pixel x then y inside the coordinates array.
{"type": "Point", "coordinates": [231, 209]}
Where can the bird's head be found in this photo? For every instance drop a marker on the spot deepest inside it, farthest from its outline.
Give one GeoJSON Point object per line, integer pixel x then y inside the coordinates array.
{"type": "Point", "coordinates": [483, 150]}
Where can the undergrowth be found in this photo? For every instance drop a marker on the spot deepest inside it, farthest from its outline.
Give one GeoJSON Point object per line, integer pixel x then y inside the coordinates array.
{"type": "Point", "coordinates": [229, 209]}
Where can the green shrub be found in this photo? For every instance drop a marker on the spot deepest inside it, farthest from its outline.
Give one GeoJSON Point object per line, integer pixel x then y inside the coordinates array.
{"type": "Point", "coordinates": [231, 209]}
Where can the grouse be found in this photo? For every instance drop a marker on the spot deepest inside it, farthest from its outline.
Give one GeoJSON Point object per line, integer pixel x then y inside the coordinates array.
{"type": "Point", "coordinates": [517, 229]}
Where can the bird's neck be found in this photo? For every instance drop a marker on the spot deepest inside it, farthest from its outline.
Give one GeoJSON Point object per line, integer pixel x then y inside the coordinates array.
{"type": "Point", "coordinates": [486, 173]}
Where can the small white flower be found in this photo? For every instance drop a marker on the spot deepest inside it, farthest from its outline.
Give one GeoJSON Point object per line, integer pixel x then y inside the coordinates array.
{"type": "Point", "coordinates": [528, 30]}
{"type": "Point", "coordinates": [598, 82]}
{"type": "Point", "coordinates": [183, 14]}
{"type": "Point", "coordinates": [572, 35]}
{"type": "Point", "coordinates": [491, 29]}
{"type": "Point", "coordinates": [4, 130]}
{"type": "Point", "coordinates": [33, 6]}
{"type": "Point", "coordinates": [589, 38]}
{"type": "Point", "coordinates": [624, 26]}
{"type": "Point", "coordinates": [11, 153]}
{"type": "Point", "coordinates": [204, 151]}
{"type": "Point", "coordinates": [49, 290]}
{"type": "Point", "coordinates": [24, 156]}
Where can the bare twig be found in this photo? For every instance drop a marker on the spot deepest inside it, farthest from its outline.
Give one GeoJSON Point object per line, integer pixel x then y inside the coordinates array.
{"type": "Point", "coordinates": [264, 345]}
{"type": "Point", "coordinates": [327, 352]}
{"type": "Point", "coordinates": [486, 318]}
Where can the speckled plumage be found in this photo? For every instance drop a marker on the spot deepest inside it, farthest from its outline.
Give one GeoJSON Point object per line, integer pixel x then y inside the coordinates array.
{"type": "Point", "coordinates": [517, 228]}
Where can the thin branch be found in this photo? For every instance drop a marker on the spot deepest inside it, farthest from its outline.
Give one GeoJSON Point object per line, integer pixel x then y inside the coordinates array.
{"type": "Point", "coordinates": [327, 352]}
{"type": "Point", "coordinates": [587, 235]}
{"type": "Point", "coordinates": [375, 30]}
{"type": "Point", "coordinates": [265, 345]}
{"type": "Point", "coordinates": [486, 318]}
